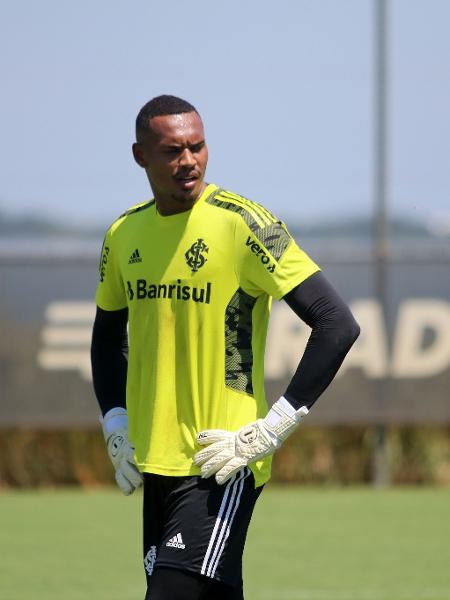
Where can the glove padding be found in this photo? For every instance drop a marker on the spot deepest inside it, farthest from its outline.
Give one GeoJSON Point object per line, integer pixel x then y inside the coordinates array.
{"type": "Point", "coordinates": [229, 451]}
{"type": "Point", "coordinates": [120, 451]}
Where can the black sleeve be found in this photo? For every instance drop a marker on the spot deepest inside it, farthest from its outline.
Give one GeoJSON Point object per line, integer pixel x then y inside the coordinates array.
{"type": "Point", "coordinates": [334, 330]}
{"type": "Point", "coordinates": [109, 358]}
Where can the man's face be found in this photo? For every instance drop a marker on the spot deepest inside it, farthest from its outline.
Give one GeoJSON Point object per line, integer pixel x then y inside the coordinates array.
{"type": "Point", "coordinates": [174, 155]}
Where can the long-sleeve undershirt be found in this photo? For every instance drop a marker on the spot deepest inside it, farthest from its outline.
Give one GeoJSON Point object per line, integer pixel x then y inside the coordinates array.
{"type": "Point", "coordinates": [333, 332]}
{"type": "Point", "coordinates": [109, 358]}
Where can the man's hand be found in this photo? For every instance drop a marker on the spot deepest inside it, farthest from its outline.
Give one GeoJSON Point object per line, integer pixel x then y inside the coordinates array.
{"type": "Point", "coordinates": [121, 453]}
{"type": "Point", "coordinates": [229, 451]}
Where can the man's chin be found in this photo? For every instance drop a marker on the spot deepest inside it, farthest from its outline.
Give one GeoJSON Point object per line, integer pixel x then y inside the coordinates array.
{"type": "Point", "coordinates": [187, 196]}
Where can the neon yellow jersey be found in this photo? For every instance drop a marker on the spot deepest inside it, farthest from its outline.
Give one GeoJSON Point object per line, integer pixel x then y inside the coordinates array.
{"type": "Point", "coordinates": [198, 286]}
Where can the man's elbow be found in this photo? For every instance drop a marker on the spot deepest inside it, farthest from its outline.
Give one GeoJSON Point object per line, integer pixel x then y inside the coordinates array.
{"type": "Point", "coordinates": [349, 331]}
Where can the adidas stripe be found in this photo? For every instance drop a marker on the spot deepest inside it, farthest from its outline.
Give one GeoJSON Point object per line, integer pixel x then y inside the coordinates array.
{"type": "Point", "coordinates": [258, 218]}
{"type": "Point", "coordinates": [224, 521]}
{"type": "Point", "coordinates": [267, 217]}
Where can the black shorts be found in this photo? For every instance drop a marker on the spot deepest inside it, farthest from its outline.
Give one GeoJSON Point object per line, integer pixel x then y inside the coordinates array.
{"type": "Point", "coordinates": [196, 525]}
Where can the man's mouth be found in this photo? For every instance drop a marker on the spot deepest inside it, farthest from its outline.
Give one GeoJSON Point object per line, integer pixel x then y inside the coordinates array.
{"type": "Point", "coordinates": [187, 182]}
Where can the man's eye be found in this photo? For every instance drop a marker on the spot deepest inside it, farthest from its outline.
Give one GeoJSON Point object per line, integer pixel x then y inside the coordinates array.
{"type": "Point", "coordinates": [197, 147]}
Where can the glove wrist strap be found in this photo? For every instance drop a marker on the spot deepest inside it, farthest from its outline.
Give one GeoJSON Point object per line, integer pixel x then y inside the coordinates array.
{"type": "Point", "coordinates": [282, 418]}
{"type": "Point", "coordinates": [114, 419]}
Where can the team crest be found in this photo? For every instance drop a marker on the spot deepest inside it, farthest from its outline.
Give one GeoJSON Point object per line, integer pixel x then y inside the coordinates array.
{"type": "Point", "coordinates": [195, 256]}
{"type": "Point", "coordinates": [150, 559]}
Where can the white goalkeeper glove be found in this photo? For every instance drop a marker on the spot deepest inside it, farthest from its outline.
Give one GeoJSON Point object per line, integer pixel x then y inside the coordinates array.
{"type": "Point", "coordinates": [121, 453]}
{"type": "Point", "coordinates": [228, 451]}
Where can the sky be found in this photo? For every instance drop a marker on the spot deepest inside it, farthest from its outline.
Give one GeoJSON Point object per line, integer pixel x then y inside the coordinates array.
{"type": "Point", "coordinates": [285, 90]}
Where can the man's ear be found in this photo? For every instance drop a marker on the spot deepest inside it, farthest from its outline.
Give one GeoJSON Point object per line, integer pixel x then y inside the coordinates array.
{"type": "Point", "coordinates": [138, 154]}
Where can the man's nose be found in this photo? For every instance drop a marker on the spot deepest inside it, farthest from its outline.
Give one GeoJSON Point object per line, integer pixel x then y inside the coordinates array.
{"type": "Point", "coordinates": [187, 158]}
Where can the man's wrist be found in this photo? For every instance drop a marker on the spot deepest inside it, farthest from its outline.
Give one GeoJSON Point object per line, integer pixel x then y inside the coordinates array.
{"type": "Point", "coordinates": [283, 418]}
{"type": "Point", "coordinates": [114, 420]}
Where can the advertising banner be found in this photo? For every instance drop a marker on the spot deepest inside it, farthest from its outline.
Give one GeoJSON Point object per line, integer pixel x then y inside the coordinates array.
{"type": "Point", "coordinates": [397, 372]}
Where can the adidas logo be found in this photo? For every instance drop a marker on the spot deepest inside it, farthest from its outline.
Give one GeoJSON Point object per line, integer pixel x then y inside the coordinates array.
{"type": "Point", "coordinates": [176, 542]}
{"type": "Point", "coordinates": [135, 258]}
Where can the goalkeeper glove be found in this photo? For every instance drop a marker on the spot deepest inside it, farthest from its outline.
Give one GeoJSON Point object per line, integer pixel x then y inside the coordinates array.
{"type": "Point", "coordinates": [228, 451]}
{"type": "Point", "coordinates": [121, 453]}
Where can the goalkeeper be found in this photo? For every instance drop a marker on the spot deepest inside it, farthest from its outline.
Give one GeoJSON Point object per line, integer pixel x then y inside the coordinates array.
{"type": "Point", "coordinates": [186, 284]}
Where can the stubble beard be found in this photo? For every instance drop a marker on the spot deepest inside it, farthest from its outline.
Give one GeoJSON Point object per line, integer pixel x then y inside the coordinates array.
{"type": "Point", "coordinates": [189, 197]}
{"type": "Point", "coordinates": [182, 199]}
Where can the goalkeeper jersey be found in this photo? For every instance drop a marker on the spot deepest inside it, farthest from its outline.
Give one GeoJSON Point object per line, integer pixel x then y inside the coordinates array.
{"type": "Point", "coordinates": [198, 287]}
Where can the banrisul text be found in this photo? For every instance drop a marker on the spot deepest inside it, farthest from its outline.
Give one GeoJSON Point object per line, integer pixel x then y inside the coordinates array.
{"type": "Point", "coordinates": [142, 289]}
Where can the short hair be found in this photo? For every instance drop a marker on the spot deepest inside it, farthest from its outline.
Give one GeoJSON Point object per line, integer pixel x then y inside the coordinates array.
{"type": "Point", "coordinates": [161, 106]}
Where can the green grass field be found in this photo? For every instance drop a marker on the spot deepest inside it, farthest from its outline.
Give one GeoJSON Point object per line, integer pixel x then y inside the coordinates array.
{"type": "Point", "coordinates": [304, 544]}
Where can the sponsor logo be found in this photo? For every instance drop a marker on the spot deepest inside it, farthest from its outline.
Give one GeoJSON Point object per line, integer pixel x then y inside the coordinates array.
{"type": "Point", "coordinates": [172, 291]}
{"type": "Point", "coordinates": [135, 258]}
{"type": "Point", "coordinates": [176, 542]}
{"type": "Point", "coordinates": [195, 258]}
{"type": "Point", "coordinates": [259, 251]}
{"type": "Point", "coordinates": [150, 559]}
{"type": "Point", "coordinates": [104, 262]}
{"type": "Point", "coordinates": [130, 290]}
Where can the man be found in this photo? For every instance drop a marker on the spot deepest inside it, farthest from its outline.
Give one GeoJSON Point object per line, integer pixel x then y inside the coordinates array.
{"type": "Point", "coordinates": [192, 272]}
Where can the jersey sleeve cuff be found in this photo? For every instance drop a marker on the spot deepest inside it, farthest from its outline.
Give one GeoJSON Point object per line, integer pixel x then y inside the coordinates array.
{"type": "Point", "coordinates": [294, 282]}
{"type": "Point", "coordinates": [109, 306]}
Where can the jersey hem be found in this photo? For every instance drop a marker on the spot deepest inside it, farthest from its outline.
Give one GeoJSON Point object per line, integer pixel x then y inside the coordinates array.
{"type": "Point", "coordinates": [159, 470]}
{"type": "Point", "coordinates": [108, 308]}
{"type": "Point", "coordinates": [258, 478]}
{"type": "Point", "coordinates": [195, 471]}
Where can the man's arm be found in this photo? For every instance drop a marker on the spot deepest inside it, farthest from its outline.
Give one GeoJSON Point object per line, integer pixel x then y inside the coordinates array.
{"type": "Point", "coordinates": [334, 330]}
{"type": "Point", "coordinates": [109, 357]}
{"type": "Point", "coordinates": [109, 354]}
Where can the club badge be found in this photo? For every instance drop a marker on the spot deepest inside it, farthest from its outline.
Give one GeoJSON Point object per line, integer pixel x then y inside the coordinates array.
{"type": "Point", "coordinates": [195, 256]}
